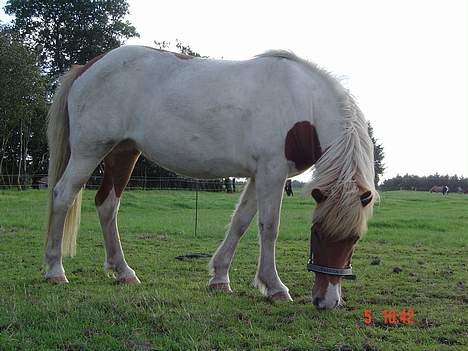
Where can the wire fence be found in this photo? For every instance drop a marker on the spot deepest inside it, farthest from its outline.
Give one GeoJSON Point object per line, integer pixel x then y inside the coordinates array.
{"type": "Point", "coordinates": [39, 181]}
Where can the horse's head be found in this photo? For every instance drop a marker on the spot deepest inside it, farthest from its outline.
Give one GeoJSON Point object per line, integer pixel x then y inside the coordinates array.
{"type": "Point", "coordinates": [334, 235]}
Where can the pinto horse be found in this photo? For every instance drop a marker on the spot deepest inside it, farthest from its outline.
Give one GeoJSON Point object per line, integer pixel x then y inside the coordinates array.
{"type": "Point", "coordinates": [266, 119]}
{"type": "Point", "coordinates": [439, 189]}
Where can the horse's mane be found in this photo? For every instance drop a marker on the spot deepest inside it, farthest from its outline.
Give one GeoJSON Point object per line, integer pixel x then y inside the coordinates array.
{"type": "Point", "coordinates": [346, 169]}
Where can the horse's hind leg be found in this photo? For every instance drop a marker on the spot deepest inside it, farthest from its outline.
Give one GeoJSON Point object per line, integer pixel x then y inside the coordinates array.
{"type": "Point", "coordinates": [219, 264]}
{"type": "Point", "coordinates": [118, 167]}
{"type": "Point", "coordinates": [73, 179]}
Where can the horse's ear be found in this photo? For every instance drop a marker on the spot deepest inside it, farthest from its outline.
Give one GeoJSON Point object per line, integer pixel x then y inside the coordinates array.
{"type": "Point", "coordinates": [318, 195]}
{"type": "Point", "coordinates": [366, 198]}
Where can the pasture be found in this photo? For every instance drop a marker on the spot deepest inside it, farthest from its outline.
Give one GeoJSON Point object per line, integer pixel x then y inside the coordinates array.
{"type": "Point", "coordinates": [413, 257]}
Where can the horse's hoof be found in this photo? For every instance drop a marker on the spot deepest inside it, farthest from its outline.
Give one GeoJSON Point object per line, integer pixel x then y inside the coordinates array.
{"type": "Point", "coordinates": [61, 279]}
{"type": "Point", "coordinates": [220, 287]}
{"type": "Point", "coordinates": [281, 296]}
{"type": "Point", "coordinates": [133, 279]}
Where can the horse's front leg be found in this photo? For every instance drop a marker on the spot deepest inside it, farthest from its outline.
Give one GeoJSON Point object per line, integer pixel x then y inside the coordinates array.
{"type": "Point", "coordinates": [219, 264]}
{"type": "Point", "coordinates": [269, 189]}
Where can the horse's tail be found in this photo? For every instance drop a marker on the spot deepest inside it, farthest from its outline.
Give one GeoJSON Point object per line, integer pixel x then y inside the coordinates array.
{"type": "Point", "coordinates": [59, 154]}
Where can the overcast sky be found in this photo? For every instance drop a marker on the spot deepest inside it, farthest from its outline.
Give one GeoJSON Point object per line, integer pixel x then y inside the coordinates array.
{"type": "Point", "coordinates": [405, 61]}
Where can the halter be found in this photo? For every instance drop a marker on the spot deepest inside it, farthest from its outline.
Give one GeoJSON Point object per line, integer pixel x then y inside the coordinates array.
{"type": "Point", "coordinates": [345, 273]}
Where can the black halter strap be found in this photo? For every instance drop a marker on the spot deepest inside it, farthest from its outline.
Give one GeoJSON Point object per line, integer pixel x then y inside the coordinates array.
{"type": "Point", "coordinates": [345, 273]}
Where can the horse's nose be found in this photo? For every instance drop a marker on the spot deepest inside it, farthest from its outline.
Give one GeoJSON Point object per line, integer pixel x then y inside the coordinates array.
{"type": "Point", "coordinates": [321, 304]}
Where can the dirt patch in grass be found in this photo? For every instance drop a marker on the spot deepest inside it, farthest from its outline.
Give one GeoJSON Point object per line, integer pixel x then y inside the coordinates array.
{"type": "Point", "coordinates": [425, 323]}
{"type": "Point", "coordinates": [447, 341]}
{"type": "Point", "coordinates": [138, 344]}
{"type": "Point", "coordinates": [160, 236]}
{"type": "Point", "coordinates": [193, 256]}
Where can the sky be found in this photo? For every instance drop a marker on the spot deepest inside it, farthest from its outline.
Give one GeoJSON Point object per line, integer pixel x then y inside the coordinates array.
{"type": "Point", "coordinates": [406, 62]}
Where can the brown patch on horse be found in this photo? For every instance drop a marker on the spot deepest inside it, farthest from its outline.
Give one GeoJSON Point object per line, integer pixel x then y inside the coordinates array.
{"type": "Point", "coordinates": [118, 167]}
{"type": "Point", "coordinates": [302, 145]}
{"type": "Point", "coordinates": [84, 68]}
{"type": "Point", "coordinates": [106, 186]}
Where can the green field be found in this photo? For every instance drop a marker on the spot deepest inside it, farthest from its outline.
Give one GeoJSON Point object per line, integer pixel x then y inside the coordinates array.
{"type": "Point", "coordinates": [423, 235]}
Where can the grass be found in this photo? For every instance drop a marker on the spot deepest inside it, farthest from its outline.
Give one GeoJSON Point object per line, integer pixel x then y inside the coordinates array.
{"type": "Point", "coordinates": [424, 235]}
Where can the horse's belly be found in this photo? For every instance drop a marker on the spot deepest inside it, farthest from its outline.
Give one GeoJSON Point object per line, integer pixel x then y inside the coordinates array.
{"type": "Point", "coordinates": [197, 163]}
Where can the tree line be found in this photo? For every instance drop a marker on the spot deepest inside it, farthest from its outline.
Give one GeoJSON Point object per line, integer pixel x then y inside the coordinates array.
{"type": "Point", "coordinates": [413, 182]}
{"type": "Point", "coordinates": [43, 40]}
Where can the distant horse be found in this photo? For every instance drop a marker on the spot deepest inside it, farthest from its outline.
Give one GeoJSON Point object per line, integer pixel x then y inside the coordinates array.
{"type": "Point", "coordinates": [266, 119]}
{"type": "Point", "coordinates": [440, 189]}
{"type": "Point", "coordinates": [288, 188]}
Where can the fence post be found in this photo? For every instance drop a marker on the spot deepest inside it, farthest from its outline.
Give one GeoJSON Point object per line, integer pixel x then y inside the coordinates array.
{"type": "Point", "coordinates": [196, 206]}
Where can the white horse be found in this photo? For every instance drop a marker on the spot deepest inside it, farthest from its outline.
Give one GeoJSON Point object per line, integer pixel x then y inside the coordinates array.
{"type": "Point", "coordinates": [267, 119]}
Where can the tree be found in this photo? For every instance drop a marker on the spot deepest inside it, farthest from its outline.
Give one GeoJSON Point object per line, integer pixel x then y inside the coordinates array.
{"type": "Point", "coordinates": [379, 166]}
{"type": "Point", "coordinates": [22, 104]}
{"type": "Point", "coordinates": [57, 34]}
{"type": "Point", "coordinates": [70, 32]}
{"type": "Point", "coordinates": [424, 183]}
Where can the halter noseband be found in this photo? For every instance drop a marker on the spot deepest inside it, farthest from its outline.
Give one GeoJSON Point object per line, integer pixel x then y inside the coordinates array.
{"type": "Point", "coordinates": [345, 273]}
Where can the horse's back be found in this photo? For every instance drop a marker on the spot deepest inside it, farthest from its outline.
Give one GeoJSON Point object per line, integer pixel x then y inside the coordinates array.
{"type": "Point", "coordinates": [150, 79]}
{"type": "Point", "coordinates": [224, 114]}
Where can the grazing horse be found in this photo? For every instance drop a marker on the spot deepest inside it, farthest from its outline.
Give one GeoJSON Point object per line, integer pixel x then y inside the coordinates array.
{"type": "Point", "coordinates": [440, 189]}
{"type": "Point", "coordinates": [266, 119]}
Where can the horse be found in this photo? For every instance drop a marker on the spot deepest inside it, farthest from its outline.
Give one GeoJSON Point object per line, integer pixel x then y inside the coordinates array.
{"type": "Point", "coordinates": [288, 188]}
{"type": "Point", "coordinates": [440, 189]}
{"type": "Point", "coordinates": [266, 119]}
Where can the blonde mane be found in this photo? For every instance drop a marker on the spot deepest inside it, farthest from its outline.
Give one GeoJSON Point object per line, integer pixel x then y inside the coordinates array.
{"type": "Point", "coordinates": [346, 169]}
{"type": "Point", "coordinates": [343, 173]}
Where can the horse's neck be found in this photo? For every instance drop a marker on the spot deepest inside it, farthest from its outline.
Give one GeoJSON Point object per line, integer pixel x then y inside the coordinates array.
{"type": "Point", "coordinates": [329, 129]}
{"type": "Point", "coordinates": [327, 113]}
